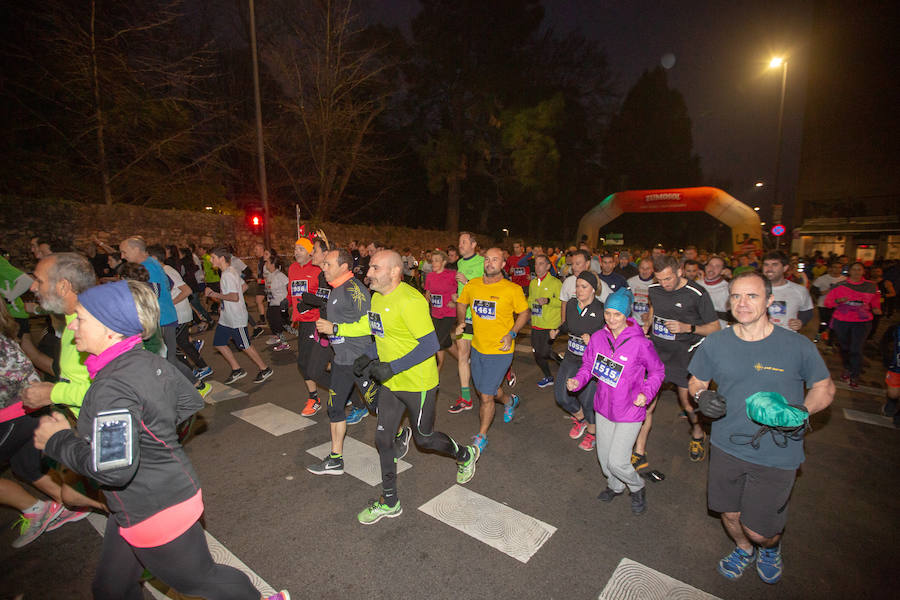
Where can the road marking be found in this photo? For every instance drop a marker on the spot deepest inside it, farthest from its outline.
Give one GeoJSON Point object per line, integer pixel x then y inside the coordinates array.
{"type": "Point", "coordinates": [221, 392]}
{"type": "Point", "coordinates": [864, 389]}
{"type": "Point", "coordinates": [633, 580]}
{"type": "Point", "coordinates": [360, 460]}
{"type": "Point", "coordinates": [868, 418]}
{"type": "Point", "coordinates": [220, 555]}
{"type": "Point", "coordinates": [512, 532]}
{"type": "Point", "coordinates": [273, 419]}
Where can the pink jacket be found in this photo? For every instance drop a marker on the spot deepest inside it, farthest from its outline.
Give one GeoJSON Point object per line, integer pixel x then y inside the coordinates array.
{"type": "Point", "coordinates": [853, 302]}
{"type": "Point", "coordinates": [624, 367]}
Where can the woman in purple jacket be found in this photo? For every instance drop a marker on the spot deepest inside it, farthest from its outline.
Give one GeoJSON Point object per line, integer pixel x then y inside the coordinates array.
{"type": "Point", "coordinates": [629, 374]}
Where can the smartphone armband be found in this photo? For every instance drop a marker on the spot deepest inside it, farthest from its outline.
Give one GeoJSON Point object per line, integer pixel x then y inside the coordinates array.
{"type": "Point", "coordinates": [113, 439]}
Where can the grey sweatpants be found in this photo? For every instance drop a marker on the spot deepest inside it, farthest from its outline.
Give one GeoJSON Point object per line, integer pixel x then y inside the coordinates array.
{"type": "Point", "coordinates": [614, 444]}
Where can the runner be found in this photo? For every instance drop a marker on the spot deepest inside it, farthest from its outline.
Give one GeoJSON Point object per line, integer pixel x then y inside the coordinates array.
{"type": "Point", "coordinates": [625, 267]}
{"type": "Point", "coordinates": [405, 343]}
{"type": "Point", "coordinates": [499, 312]}
{"type": "Point", "coordinates": [751, 473]}
{"type": "Point", "coordinates": [470, 265]}
{"type": "Point", "coordinates": [543, 292]}
{"type": "Point", "coordinates": [440, 289]}
{"type": "Point", "coordinates": [792, 308]}
{"type": "Point", "coordinates": [348, 330]}
{"type": "Point", "coordinates": [581, 260]}
{"type": "Point", "coordinates": [276, 287]}
{"type": "Point", "coordinates": [691, 270]}
{"type": "Point", "coordinates": [717, 288]}
{"type": "Point", "coordinates": [855, 301]}
{"type": "Point", "coordinates": [519, 274]}
{"type": "Point", "coordinates": [821, 286]}
{"type": "Point", "coordinates": [584, 316]}
{"type": "Point", "coordinates": [608, 275]}
{"type": "Point", "coordinates": [681, 314]}
{"type": "Point", "coordinates": [639, 286]}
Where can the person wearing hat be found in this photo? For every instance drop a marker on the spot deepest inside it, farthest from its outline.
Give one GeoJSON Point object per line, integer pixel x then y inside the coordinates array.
{"type": "Point", "coordinates": [583, 317]}
{"type": "Point", "coordinates": [629, 374]}
{"type": "Point", "coordinates": [127, 441]}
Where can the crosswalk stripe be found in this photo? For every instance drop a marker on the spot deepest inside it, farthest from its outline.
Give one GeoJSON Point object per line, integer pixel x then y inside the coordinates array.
{"type": "Point", "coordinates": [360, 460]}
{"type": "Point", "coordinates": [633, 580]}
{"type": "Point", "coordinates": [273, 419]}
{"type": "Point", "coordinates": [868, 418]}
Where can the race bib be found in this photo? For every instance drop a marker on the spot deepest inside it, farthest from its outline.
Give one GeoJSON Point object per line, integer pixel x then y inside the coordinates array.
{"type": "Point", "coordinates": [576, 346]}
{"type": "Point", "coordinates": [298, 287]}
{"type": "Point", "coordinates": [375, 324]}
{"type": "Point", "coordinates": [338, 339]}
{"type": "Point", "coordinates": [537, 310]}
{"type": "Point", "coordinates": [518, 271]}
{"type": "Point", "coordinates": [323, 293]}
{"type": "Point", "coordinates": [485, 309]}
{"type": "Point", "coordinates": [640, 307]}
{"type": "Point", "coordinates": [437, 300]}
{"type": "Point", "coordinates": [606, 370]}
{"type": "Point", "coordinates": [660, 330]}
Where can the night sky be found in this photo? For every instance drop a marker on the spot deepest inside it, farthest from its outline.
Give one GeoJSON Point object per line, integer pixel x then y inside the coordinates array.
{"type": "Point", "coordinates": [721, 51]}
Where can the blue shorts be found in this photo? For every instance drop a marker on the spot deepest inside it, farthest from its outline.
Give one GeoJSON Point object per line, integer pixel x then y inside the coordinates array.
{"type": "Point", "coordinates": [488, 371]}
{"type": "Point", "coordinates": [224, 334]}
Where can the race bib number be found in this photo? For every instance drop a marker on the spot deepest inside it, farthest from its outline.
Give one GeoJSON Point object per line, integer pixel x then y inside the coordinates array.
{"type": "Point", "coordinates": [537, 310]}
{"type": "Point", "coordinates": [778, 311]}
{"type": "Point", "coordinates": [323, 293]}
{"type": "Point", "coordinates": [606, 370]}
{"type": "Point", "coordinates": [576, 346]}
{"type": "Point", "coordinates": [518, 271]}
{"type": "Point", "coordinates": [375, 324]}
{"type": "Point", "coordinates": [853, 303]}
{"type": "Point", "coordinates": [298, 287]}
{"type": "Point", "coordinates": [335, 340]}
{"type": "Point", "coordinates": [660, 330]}
{"type": "Point", "coordinates": [437, 301]}
{"type": "Point", "coordinates": [485, 309]}
{"type": "Point", "coordinates": [640, 308]}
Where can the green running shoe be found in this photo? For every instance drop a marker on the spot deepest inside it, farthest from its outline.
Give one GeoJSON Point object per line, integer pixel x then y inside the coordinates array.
{"type": "Point", "coordinates": [466, 471]}
{"type": "Point", "coordinates": [377, 511]}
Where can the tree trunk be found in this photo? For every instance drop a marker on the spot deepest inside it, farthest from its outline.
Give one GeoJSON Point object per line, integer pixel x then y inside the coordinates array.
{"type": "Point", "coordinates": [101, 146]}
{"type": "Point", "coordinates": [453, 196]}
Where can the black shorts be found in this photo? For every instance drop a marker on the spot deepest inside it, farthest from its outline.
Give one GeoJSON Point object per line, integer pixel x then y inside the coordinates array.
{"type": "Point", "coordinates": [676, 361]}
{"type": "Point", "coordinates": [444, 329]}
{"type": "Point", "coordinates": [312, 356]}
{"type": "Point", "coordinates": [17, 447]}
{"type": "Point", "coordinates": [253, 287]}
{"type": "Point", "coordinates": [344, 386]}
{"type": "Point", "coordinates": [759, 493]}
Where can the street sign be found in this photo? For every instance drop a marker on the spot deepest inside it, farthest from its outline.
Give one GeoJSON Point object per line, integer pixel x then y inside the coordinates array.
{"type": "Point", "coordinates": [778, 230]}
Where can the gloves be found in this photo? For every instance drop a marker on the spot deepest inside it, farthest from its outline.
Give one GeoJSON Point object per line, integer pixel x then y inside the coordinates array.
{"type": "Point", "coordinates": [308, 301]}
{"type": "Point", "coordinates": [711, 403]}
{"type": "Point", "coordinates": [380, 371]}
{"type": "Point", "coordinates": [361, 365]}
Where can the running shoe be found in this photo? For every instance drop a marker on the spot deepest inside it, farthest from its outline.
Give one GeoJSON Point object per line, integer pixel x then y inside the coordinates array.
{"type": "Point", "coordinates": [377, 511]}
{"type": "Point", "coordinates": [401, 442]}
{"type": "Point", "coordinates": [203, 373]}
{"type": "Point", "coordinates": [639, 461]}
{"type": "Point", "coordinates": [845, 376]}
{"type": "Point", "coordinates": [332, 465]}
{"type": "Point", "coordinates": [272, 340]}
{"type": "Point", "coordinates": [460, 406]}
{"type": "Point", "coordinates": [480, 441]}
{"type": "Point", "coordinates": [356, 415]}
{"type": "Point", "coordinates": [890, 407]}
{"type": "Point", "coordinates": [854, 384]}
{"type": "Point", "coordinates": [511, 378]}
{"type": "Point", "coordinates": [608, 495]}
{"type": "Point", "coordinates": [696, 449]}
{"type": "Point", "coordinates": [312, 407]}
{"type": "Point", "coordinates": [683, 415]}
{"type": "Point", "coordinates": [734, 565]}
{"type": "Point", "coordinates": [235, 375]}
{"type": "Point", "coordinates": [589, 442]}
{"type": "Point", "coordinates": [639, 501]}
{"type": "Point", "coordinates": [204, 390]}
{"type": "Point", "coordinates": [282, 595]}
{"type": "Point", "coordinates": [67, 516]}
{"type": "Point", "coordinates": [33, 524]}
{"type": "Point", "coordinates": [465, 471]}
{"type": "Point", "coordinates": [263, 375]}
{"type": "Point", "coordinates": [545, 382]}
{"type": "Point", "coordinates": [769, 564]}
{"type": "Point", "coordinates": [198, 345]}
{"type": "Point", "coordinates": [281, 346]}
{"type": "Point", "coordinates": [257, 331]}
{"type": "Point", "coordinates": [578, 428]}
{"type": "Point", "coordinates": [509, 410]}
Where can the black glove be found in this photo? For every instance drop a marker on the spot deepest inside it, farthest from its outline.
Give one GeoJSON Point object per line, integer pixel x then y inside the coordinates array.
{"type": "Point", "coordinates": [380, 371]}
{"type": "Point", "coordinates": [711, 403]}
{"type": "Point", "coordinates": [308, 301]}
{"type": "Point", "coordinates": [361, 365]}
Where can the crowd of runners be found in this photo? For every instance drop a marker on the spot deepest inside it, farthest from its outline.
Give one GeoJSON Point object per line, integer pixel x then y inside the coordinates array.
{"type": "Point", "coordinates": [104, 368]}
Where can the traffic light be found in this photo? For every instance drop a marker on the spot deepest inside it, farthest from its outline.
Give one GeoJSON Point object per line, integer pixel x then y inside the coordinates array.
{"type": "Point", "coordinates": [255, 220]}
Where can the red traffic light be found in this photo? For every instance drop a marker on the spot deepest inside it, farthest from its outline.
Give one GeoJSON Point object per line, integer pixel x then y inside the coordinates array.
{"type": "Point", "coordinates": [778, 230]}
{"type": "Point", "coordinates": [255, 221]}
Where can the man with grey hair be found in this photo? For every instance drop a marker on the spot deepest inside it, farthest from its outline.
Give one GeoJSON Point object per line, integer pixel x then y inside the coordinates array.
{"type": "Point", "coordinates": [58, 279]}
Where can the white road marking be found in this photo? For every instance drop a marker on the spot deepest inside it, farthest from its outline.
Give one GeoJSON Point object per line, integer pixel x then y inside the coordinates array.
{"type": "Point", "coordinates": [868, 418]}
{"type": "Point", "coordinates": [273, 419]}
{"type": "Point", "coordinates": [221, 392]}
{"type": "Point", "coordinates": [863, 389]}
{"type": "Point", "coordinates": [633, 580]}
{"type": "Point", "coordinates": [360, 460]}
{"type": "Point", "coordinates": [508, 530]}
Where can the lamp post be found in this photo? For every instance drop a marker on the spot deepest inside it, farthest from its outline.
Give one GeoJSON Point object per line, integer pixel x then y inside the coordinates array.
{"type": "Point", "coordinates": [777, 205]}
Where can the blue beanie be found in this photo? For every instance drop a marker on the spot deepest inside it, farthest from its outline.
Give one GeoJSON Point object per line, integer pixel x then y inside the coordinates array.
{"type": "Point", "coordinates": [620, 300]}
{"type": "Point", "coordinates": [113, 305]}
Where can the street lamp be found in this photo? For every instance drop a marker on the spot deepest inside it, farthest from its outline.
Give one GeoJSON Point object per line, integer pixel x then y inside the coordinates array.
{"type": "Point", "coordinates": [758, 184]}
{"type": "Point", "coordinates": [506, 231]}
{"type": "Point", "coordinates": [756, 208]}
{"type": "Point", "coordinates": [777, 206]}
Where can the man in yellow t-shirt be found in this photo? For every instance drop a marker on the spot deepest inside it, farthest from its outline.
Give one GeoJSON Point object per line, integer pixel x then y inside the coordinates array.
{"type": "Point", "coordinates": [499, 311]}
{"type": "Point", "coordinates": [405, 346]}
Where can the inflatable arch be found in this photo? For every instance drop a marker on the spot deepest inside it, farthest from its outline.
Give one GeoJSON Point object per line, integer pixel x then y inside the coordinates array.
{"type": "Point", "coordinates": [743, 220]}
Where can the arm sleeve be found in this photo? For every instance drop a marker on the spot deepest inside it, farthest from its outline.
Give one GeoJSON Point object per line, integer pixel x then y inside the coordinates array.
{"type": "Point", "coordinates": [425, 348]}
{"type": "Point", "coordinates": [71, 391]}
{"type": "Point", "coordinates": [805, 316]}
{"type": "Point", "coordinates": [188, 399]}
{"type": "Point", "coordinates": [356, 329]}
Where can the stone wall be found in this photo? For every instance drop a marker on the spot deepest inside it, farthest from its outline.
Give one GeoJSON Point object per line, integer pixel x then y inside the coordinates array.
{"type": "Point", "coordinates": [73, 225]}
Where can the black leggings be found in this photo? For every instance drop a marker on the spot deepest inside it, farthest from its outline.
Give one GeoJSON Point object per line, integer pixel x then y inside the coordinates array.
{"type": "Point", "coordinates": [540, 345]}
{"type": "Point", "coordinates": [851, 337]}
{"type": "Point", "coordinates": [273, 315]}
{"type": "Point", "coordinates": [572, 401]}
{"type": "Point", "coordinates": [391, 406]}
{"type": "Point", "coordinates": [183, 339]}
{"type": "Point", "coordinates": [184, 564]}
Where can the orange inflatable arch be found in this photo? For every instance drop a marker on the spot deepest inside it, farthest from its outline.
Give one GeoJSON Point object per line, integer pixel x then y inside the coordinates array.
{"type": "Point", "coordinates": [743, 220]}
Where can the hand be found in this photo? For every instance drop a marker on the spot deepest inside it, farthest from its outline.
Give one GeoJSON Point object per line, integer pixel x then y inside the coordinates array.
{"type": "Point", "coordinates": [208, 292]}
{"type": "Point", "coordinates": [641, 400]}
{"type": "Point", "coordinates": [361, 364]}
{"type": "Point", "coordinates": [571, 384]}
{"type": "Point", "coordinates": [460, 278]}
{"type": "Point", "coordinates": [795, 324]}
{"type": "Point", "coordinates": [586, 338]}
{"type": "Point", "coordinates": [325, 326]}
{"type": "Point", "coordinates": [506, 342]}
{"type": "Point", "coordinates": [37, 395]}
{"type": "Point", "coordinates": [460, 327]}
{"type": "Point", "coordinates": [380, 371]}
{"type": "Point", "coordinates": [677, 327]}
{"type": "Point", "coordinates": [711, 404]}
{"type": "Point", "coordinates": [49, 425]}
{"type": "Point", "coordinates": [554, 333]}
{"type": "Point", "coordinates": [543, 301]}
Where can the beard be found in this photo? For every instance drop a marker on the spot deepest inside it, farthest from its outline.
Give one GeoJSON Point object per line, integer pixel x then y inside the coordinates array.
{"type": "Point", "coordinates": [52, 304]}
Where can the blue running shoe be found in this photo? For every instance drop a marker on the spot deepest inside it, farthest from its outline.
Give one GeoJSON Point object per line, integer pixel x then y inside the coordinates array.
{"type": "Point", "coordinates": [545, 382]}
{"type": "Point", "coordinates": [734, 565]}
{"type": "Point", "coordinates": [201, 374]}
{"type": "Point", "coordinates": [356, 415]}
{"type": "Point", "coordinates": [481, 441]}
{"type": "Point", "coordinates": [509, 410]}
{"type": "Point", "coordinates": [769, 564]}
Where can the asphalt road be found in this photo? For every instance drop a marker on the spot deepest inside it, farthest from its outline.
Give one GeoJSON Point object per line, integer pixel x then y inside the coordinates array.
{"type": "Point", "coordinates": [299, 531]}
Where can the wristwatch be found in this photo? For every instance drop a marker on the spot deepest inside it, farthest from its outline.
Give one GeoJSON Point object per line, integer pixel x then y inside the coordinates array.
{"type": "Point", "coordinates": [693, 328]}
{"type": "Point", "coordinates": [335, 328]}
{"type": "Point", "coordinates": [512, 334]}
